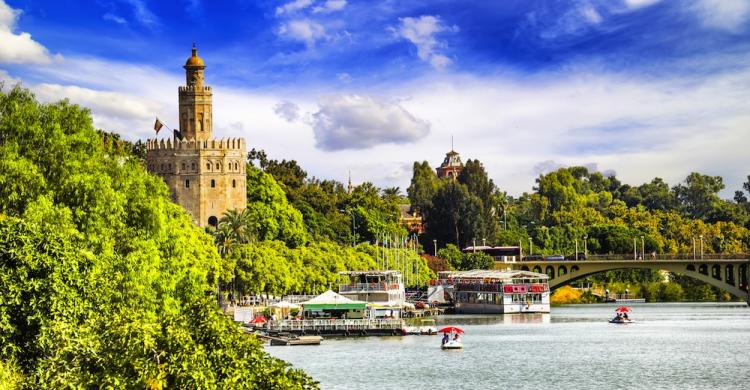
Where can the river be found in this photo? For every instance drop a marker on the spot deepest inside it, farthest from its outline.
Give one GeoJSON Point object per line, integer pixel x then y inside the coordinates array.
{"type": "Point", "coordinates": [696, 345]}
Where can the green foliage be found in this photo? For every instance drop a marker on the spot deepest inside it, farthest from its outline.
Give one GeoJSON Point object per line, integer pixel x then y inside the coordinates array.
{"type": "Point", "coordinates": [103, 281]}
{"type": "Point", "coordinates": [270, 216]}
{"type": "Point", "coordinates": [465, 261]}
{"type": "Point", "coordinates": [424, 184]}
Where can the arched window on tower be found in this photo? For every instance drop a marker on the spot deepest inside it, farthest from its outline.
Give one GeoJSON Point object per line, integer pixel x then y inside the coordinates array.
{"type": "Point", "coordinates": [208, 166]}
{"type": "Point", "coordinates": [213, 183]}
{"type": "Point", "coordinates": [192, 166]}
{"type": "Point", "coordinates": [187, 183]}
{"type": "Point", "coordinates": [234, 183]}
{"type": "Point", "coordinates": [183, 166]}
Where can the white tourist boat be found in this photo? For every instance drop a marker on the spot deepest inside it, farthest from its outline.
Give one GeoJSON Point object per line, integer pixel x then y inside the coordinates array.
{"type": "Point", "coordinates": [382, 290]}
{"type": "Point", "coordinates": [496, 292]}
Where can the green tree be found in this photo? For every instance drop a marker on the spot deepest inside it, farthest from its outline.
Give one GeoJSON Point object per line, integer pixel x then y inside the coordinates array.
{"type": "Point", "coordinates": [424, 185]}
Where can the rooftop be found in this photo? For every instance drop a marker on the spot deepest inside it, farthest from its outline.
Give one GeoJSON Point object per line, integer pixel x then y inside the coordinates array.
{"type": "Point", "coordinates": [494, 274]}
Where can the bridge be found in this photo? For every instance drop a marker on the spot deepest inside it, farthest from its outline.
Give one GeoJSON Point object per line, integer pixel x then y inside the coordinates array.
{"type": "Point", "coordinates": [727, 272]}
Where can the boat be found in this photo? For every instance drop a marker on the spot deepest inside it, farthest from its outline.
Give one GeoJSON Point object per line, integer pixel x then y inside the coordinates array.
{"type": "Point", "coordinates": [452, 345]}
{"type": "Point", "coordinates": [622, 316]}
{"type": "Point", "coordinates": [428, 327]}
{"type": "Point", "coordinates": [451, 334]}
{"type": "Point", "coordinates": [496, 292]}
{"type": "Point", "coordinates": [382, 290]}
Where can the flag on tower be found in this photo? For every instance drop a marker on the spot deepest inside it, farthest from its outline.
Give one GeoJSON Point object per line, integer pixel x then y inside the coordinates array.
{"type": "Point", "coordinates": [158, 125]}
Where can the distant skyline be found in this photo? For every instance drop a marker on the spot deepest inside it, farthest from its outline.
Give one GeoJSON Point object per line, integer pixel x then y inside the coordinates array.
{"type": "Point", "coordinates": [642, 88]}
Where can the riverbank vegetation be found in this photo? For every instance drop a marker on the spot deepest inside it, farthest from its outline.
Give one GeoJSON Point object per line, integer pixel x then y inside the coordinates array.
{"type": "Point", "coordinates": [577, 209]}
{"type": "Point", "coordinates": [104, 282]}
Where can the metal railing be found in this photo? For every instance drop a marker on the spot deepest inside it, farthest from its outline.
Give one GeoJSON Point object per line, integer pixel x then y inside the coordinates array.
{"type": "Point", "coordinates": [334, 325]}
{"type": "Point", "coordinates": [653, 256]}
{"type": "Point", "coordinates": [367, 287]}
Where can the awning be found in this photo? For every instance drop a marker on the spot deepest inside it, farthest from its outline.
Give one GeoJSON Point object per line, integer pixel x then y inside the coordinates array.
{"type": "Point", "coordinates": [330, 300]}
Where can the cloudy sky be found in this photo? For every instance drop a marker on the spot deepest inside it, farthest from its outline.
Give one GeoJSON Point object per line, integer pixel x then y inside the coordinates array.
{"type": "Point", "coordinates": [642, 88]}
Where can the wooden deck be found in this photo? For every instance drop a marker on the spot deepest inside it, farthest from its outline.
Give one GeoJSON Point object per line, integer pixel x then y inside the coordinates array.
{"type": "Point", "coordinates": [337, 327]}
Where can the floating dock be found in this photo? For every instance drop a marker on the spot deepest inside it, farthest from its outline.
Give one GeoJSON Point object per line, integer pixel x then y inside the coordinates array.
{"type": "Point", "coordinates": [337, 327]}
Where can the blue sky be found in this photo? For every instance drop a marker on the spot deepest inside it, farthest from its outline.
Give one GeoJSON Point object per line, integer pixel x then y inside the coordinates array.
{"type": "Point", "coordinates": [641, 87]}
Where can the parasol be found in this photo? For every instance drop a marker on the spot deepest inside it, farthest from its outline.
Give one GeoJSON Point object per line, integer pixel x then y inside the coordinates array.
{"type": "Point", "coordinates": [622, 309]}
{"type": "Point", "coordinates": [451, 329]}
{"type": "Point", "coordinates": [258, 320]}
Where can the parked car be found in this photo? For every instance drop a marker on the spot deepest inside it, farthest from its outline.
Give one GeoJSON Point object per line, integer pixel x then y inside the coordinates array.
{"type": "Point", "coordinates": [554, 257]}
{"type": "Point", "coordinates": [581, 256]}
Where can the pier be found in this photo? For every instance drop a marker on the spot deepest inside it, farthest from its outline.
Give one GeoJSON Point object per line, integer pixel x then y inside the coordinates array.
{"type": "Point", "coordinates": [337, 327]}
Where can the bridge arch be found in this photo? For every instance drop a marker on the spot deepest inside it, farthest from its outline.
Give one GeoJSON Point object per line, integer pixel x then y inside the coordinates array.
{"type": "Point", "coordinates": [730, 276]}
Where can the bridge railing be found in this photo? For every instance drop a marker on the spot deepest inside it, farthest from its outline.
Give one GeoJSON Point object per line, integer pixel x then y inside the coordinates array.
{"type": "Point", "coordinates": [672, 256]}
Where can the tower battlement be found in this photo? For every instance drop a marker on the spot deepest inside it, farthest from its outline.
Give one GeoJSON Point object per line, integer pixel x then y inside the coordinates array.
{"type": "Point", "coordinates": [193, 88]}
{"type": "Point", "coordinates": [191, 144]}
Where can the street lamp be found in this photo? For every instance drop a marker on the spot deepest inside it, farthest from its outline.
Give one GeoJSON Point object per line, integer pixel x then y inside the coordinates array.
{"type": "Point", "coordinates": [484, 242]}
{"type": "Point", "coordinates": [635, 249]}
{"type": "Point", "coordinates": [585, 247]}
{"type": "Point", "coordinates": [474, 245]}
{"type": "Point", "coordinates": [643, 249]}
{"type": "Point", "coordinates": [576, 249]}
{"type": "Point", "coordinates": [354, 227]}
{"type": "Point", "coordinates": [434, 242]}
{"type": "Point", "coordinates": [693, 247]}
{"type": "Point", "coordinates": [531, 247]}
{"type": "Point", "coordinates": [701, 237]}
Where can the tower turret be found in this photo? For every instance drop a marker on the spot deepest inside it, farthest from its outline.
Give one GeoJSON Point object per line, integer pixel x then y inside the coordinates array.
{"type": "Point", "coordinates": [196, 112]}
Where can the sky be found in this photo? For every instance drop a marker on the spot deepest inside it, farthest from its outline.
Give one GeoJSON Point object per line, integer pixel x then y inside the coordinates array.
{"type": "Point", "coordinates": [636, 88]}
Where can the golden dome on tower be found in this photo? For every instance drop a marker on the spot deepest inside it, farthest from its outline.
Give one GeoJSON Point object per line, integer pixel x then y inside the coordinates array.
{"type": "Point", "coordinates": [194, 60]}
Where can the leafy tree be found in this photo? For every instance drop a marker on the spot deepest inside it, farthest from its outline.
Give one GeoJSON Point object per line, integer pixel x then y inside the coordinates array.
{"type": "Point", "coordinates": [269, 213]}
{"type": "Point", "coordinates": [104, 281]}
{"type": "Point", "coordinates": [424, 185]}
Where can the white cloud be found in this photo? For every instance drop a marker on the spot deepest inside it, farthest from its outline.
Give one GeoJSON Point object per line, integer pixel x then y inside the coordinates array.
{"type": "Point", "coordinates": [728, 15]}
{"type": "Point", "coordinates": [344, 77]}
{"type": "Point", "coordinates": [634, 4]}
{"type": "Point", "coordinates": [592, 15]}
{"type": "Point", "coordinates": [287, 110]}
{"type": "Point", "coordinates": [114, 18]}
{"type": "Point", "coordinates": [330, 6]}
{"type": "Point", "coordinates": [421, 32]}
{"type": "Point", "coordinates": [303, 30]}
{"type": "Point", "coordinates": [143, 14]}
{"type": "Point", "coordinates": [360, 122]}
{"type": "Point", "coordinates": [19, 48]}
{"type": "Point", "coordinates": [293, 6]}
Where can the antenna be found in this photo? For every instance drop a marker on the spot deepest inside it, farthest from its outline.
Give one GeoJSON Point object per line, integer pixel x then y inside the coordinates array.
{"type": "Point", "coordinates": [451, 142]}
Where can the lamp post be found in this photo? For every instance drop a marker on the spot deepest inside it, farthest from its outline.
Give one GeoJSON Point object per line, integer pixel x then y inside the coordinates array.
{"type": "Point", "coordinates": [434, 243]}
{"type": "Point", "coordinates": [693, 247]}
{"type": "Point", "coordinates": [531, 247]}
{"type": "Point", "coordinates": [701, 237]}
{"type": "Point", "coordinates": [643, 249]}
{"type": "Point", "coordinates": [484, 242]}
{"type": "Point", "coordinates": [585, 247]}
{"type": "Point", "coordinates": [474, 245]}
{"type": "Point", "coordinates": [635, 249]}
{"type": "Point", "coordinates": [576, 249]}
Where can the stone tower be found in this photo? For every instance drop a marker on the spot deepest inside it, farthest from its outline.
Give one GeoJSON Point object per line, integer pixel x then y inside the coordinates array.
{"type": "Point", "coordinates": [206, 176]}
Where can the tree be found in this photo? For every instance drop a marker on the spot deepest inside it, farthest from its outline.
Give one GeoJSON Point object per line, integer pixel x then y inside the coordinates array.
{"type": "Point", "coordinates": [424, 185]}
{"type": "Point", "coordinates": [453, 216]}
{"type": "Point", "coordinates": [106, 282]}
{"type": "Point", "coordinates": [699, 194]}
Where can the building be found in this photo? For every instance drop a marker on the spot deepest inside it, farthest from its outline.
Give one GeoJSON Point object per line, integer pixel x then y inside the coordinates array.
{"type": "Point", "coordinates": [205, 175]}
{"type": "Point", "coordinates": [410, 219]}
{"type": "Point", "coordinates": [451, 166]}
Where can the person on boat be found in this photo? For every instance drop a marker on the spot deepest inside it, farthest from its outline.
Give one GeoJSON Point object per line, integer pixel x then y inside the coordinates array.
{"type": "Point", "coordinates": [455, 338]}
{"type": "Point", "coordinates": [625, 316]}
{"type": "Point", "coordinates": [446, 338]}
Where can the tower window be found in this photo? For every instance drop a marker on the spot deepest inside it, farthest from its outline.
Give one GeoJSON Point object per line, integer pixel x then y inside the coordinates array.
{"type": "Point", "coordinates": [187, 183]}
{"type": "Point", "coordinates": [193, 166]}
{"type": "Point", "coordinates": [162, 167]}
{"type": "Point", "coordinates": [208, 166]}
{"type": "Point", "coordinates": [213, 183]}
{"type": "Point", "coordinates": [170, 167]}
{"type": "Point", "coordinates": [234, 183]}
{"type": "Point", "coordinates": [183, 166]}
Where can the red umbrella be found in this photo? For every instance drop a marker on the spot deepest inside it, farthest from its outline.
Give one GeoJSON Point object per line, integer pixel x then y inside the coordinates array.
{"type": "Point", "coordinates": [622, 309]}
{"type": "Point", "coordinates": [451, 329]}
{"type": "Point", "coordinates": [258, 320]}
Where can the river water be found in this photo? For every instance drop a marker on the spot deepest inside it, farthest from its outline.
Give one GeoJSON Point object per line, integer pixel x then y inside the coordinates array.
{"type": "Point", "coordinates": [680, 346]}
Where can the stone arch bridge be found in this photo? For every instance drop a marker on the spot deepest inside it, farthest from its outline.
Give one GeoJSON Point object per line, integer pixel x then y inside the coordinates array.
{"type": "Point", "coordinates": [728, 274]}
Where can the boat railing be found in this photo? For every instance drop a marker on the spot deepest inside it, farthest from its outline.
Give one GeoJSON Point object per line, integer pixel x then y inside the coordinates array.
{"type": "Point", "coordinates": [368, 287]}
{"type": "Point", "coordinates": [329, 325]}
{"type": "Point", "coordinates": [518, 288]}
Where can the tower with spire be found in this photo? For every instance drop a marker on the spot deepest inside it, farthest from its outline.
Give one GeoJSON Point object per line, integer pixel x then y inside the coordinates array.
{"type": "Point", "coordinates": [451, 166]}
{"type": "Point", "coordinates": [205, 175]}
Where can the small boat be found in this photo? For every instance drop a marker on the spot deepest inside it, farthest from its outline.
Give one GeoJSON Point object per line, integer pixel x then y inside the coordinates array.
{"type": "Point", "coordinates": [452, 333]}
{"type": "Point", "coordinates": [453, 344]}
{"type": "Point", "coordinates": [428, 327]}
{"type": "Point", "coordinates": [622, 316]}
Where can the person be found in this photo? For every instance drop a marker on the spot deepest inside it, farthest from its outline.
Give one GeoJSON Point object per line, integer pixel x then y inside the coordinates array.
{"type": "Point", "coordinates": [446, 338]}
{"type": "Point", "coordinates": [625, 316]}
{"type": "Point", "coordinates": [455, 338]}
